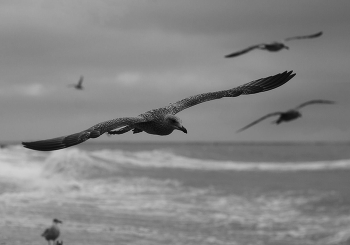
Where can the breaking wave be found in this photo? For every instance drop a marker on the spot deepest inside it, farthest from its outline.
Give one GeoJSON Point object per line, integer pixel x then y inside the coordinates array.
{"type": "Point", "coordinates": [103, 172]}
{"type": "Point", "coordinates": [107, 185]}
{"type": "Point", "coordinates": [164, 159]}
{"type": "Point", "coordinates": [23, 164]}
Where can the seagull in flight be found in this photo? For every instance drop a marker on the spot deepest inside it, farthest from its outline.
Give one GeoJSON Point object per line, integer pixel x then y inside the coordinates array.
{"type": "Point", "coordinates": [287, 116]}
{"type": "Point", "coordinates": [273, 46]}
{"type": "Point", "coordinates": [79, 85]}
{"type": "Point", "coordinates": [161, 121]}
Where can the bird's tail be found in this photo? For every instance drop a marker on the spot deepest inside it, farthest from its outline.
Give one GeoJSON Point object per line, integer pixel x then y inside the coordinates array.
{"type": "Point", "coordinates": [278, 121]}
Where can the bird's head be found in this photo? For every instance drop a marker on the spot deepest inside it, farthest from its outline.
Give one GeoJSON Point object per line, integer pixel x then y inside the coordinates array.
{"type": "Point", "coordinates": [56, 221]}
{"type": "Point", "coordinates": [175, 123]}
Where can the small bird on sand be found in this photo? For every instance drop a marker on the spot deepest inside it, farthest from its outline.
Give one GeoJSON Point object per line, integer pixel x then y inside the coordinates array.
{"type": "Point", "coordinates": [287, 116]}
{"type": "Point", "coordinates": [53, 232]}
{"type": "Point", "coordinates": [161, 121]}
{"type": "Point", "coordinates": [79, 85]}
{"type": "Point", "coordinates": [273, 46]}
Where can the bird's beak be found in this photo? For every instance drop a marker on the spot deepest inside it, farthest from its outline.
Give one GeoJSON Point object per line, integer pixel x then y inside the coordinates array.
{"type": "Point", "coordinates": [183, 129]}
{"type": "Point", "coordinates": [286, 47]}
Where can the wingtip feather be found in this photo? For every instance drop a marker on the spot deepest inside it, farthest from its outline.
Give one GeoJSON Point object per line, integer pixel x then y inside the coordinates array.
{"type": "Point", "coordinates": [57, 143]}
{"type": "Point", "coordinates": [45, 145]}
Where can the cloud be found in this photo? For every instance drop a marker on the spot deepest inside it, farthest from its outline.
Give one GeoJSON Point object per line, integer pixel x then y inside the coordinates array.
{"type": "Point", "coordinates": [168, 82]}
{"type": "Point", "coordinates": [129, 78]}
{"type": "Point", "coordinates": [163, 51]}
{"type": "Point", "coordinates": [31, 90]}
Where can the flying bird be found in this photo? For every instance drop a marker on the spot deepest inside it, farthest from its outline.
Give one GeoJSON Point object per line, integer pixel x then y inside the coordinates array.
{"type": "Point", "coordinates": [161, 121]}
{"type": "Point", "coordinates": [287, 116]}
{"type": "Point", "coordinates": [53, 232]}
{"type": "Point", "coordinates": [273, 46]}
{"type": "Point", "coordinates": [79, 85]}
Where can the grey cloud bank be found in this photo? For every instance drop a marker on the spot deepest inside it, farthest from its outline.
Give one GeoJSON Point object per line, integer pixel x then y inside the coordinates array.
{"type": "Point", "coordinates": [138, 55]}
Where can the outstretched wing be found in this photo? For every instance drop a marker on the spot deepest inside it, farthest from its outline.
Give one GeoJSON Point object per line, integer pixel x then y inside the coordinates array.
{"type": "Point", "coordinates": [257, 86]}
{"type": "Point", "coordinates": [74, 139]}
{"type": "Point", "coordinates": [259, 120]}
{"type": "Point", "coordinates": [318, 34]}
{"type": "Point", "coordinates": [243, 51]}
{"type": "Point", "coordinates": [45, 232]}
{"type": "Point", "coordinates": [81, 81]}
{"type": "Point", "coordinates": [314, 102]}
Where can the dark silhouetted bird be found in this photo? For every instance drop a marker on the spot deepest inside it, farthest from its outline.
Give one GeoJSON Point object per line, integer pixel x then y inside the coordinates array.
{"type": "Point", "coordinates": [287, 116]}
{"type": "Point", "coordinates": [272, 47]}
{"type": "Point", "coordinates": [161, 121]}
{"type": "Point", "coordinates": [53, 232]}
{"type": "Point", "coordinates": [79, 85]}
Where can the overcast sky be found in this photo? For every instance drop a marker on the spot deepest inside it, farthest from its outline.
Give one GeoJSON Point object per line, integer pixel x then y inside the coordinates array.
{"type": "Point", "coordinates": [140, 55]}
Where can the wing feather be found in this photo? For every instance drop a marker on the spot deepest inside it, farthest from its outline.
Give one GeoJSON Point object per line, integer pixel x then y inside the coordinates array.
{"type": "Point", "coordinates": [77, 138]}
{"type": "Point", "coordinates": [243, 51]}
{"type": "Point", "coordinates": [80, 82]}
{"type": "Point", "coordinates": [314, 102]}
{"type": "Point", "coordinates": [259, 120]}
{"type": "Point", "coordinates": [318, 34]}
{"type": "Point", "coordinates": [45, 232]}
{"type": "Point", "coordinates": [257, 86]}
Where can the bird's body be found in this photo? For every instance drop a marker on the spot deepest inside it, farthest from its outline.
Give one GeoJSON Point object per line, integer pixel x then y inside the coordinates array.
{"type": "Point", "coordinates": [161, 121]}
{"type": "Point", "coordinates": [273, 46]}
{"type": "Point", "coordinates": [157, 123]}
{"type": "Point", "coordinates": [155, 127]}
{"type": "Point", "coordinates": [53, 232]}
{"type": "Point", "coordinates": [79, 85]}
{"type": "Point", "coordinates": [289, 115]}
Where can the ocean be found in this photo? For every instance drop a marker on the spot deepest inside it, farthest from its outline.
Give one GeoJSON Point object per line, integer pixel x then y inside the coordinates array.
{"type": "Point", "coordinates": [178, 194]}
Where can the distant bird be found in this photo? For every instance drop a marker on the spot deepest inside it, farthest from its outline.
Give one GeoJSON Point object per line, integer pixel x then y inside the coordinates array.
{"type": "Point", "coordinates": [79, 85]}
{"type": "Point", "coordinates": [53, 232]}
{"type": "Point", "coordinates": [272, 47]}
{"type": "Point", "coordinates": [287, 116]}
{"type": "Point", "coordinates": [161, 121]}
